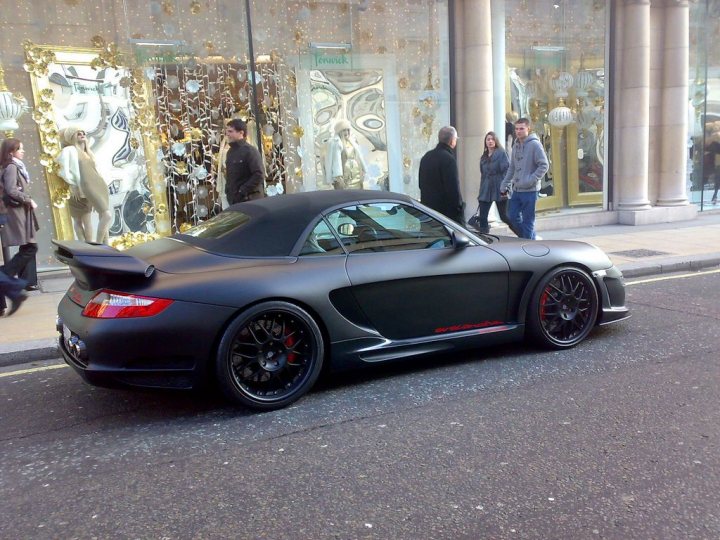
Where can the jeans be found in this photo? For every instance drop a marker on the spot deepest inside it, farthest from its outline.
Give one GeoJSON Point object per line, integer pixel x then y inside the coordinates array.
{"type": "Point", "coordinates": [23, 264]}
{"type": "Point", "coordinates": [521, 212]}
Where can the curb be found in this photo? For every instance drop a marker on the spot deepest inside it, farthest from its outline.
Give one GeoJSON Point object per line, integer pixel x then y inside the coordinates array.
{"type": "Point", "coordinates": [22, 352]}
{"type": "Point", "coordinates": [670, 265]}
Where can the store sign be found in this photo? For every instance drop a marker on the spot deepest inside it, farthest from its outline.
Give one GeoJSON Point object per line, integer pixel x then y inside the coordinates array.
{"type": "Point", "coordinates": [323, 60]}
{"type": "Point", "coordinates": [154, 56]}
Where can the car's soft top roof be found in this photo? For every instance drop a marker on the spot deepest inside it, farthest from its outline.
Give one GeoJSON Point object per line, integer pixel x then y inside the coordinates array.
{"type": "Point", "coordinates": [277, 222]}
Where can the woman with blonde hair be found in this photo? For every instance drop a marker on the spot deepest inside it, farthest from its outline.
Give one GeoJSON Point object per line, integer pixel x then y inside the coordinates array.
{"type": "Point", "coordinates": [88, 190]}
{"type": "Point", "coordinates": [21, 220]}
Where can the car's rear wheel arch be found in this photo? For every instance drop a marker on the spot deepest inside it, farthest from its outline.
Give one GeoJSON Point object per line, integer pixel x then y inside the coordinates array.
{"type": "Point", "coordinates": [300, 320]}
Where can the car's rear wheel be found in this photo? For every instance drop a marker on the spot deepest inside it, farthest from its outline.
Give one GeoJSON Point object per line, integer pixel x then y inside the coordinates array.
{"type": "Point", "coordinates": [270, 356]}
{"type": "Point", "coordinates": [563, 309]}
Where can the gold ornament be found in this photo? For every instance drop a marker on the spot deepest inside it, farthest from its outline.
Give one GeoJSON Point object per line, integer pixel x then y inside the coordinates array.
{"type": "Point", "coordinates": [298, 132]}
{"type": "Point", "coordinates": [134, 144]}
{"type": "Point", "coordinates": [161, 209]}
{"type": "Point", "coordinates": [195, 7]}
{"type": "Point", "coordinates": [168, 7]}
{"type": "Point", "coordinates": [407, 162]}
{"type": "Point", "coordinates": [185, 226]}
{"type": "Point", "coordinates": [298, 172]}
{"type": "Point", "coordinates": [97, 41]}
{"type": "Point", "coordinates": [403, 83]}
{"type": "Point", "coordinates": [382, 49]}
{"type": "Point", "coordinates": [416, 112]}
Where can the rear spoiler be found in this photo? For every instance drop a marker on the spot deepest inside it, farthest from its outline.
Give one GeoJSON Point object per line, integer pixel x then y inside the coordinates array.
{"type": "Point", "coordinates": [92, 264]}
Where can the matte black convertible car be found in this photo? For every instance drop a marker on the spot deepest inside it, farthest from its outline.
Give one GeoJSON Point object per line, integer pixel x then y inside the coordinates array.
{"type": "Point", "coordinates": [261, 297]}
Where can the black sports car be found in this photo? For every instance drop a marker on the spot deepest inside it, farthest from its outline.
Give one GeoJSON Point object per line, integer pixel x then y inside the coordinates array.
{"type": "Point", "coordinates": [264, 295]}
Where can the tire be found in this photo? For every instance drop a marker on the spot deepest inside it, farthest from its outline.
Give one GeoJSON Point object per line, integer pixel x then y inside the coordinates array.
{"type": "Point", "coordinates": [270, 356]}
{"type": "Point", "coordinates": [563, 309]}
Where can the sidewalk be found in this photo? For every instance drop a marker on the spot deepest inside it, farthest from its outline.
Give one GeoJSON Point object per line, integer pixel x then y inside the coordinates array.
{"type": "Point", "coordinates": [643, 250]}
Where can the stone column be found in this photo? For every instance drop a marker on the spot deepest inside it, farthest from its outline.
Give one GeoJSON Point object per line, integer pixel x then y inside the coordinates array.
{"type": "Point", "coordinates": [631, 143]}
{"type": "Point", "coordinates": [477, 113]}
{"type": "Point", "coordinates": [674, 102]}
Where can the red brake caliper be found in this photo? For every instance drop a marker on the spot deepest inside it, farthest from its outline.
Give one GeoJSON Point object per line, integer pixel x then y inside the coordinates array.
{"type": "Point", "coordinates": [543, 302]}
{"type": "Point", "coordinates": [289, 342]}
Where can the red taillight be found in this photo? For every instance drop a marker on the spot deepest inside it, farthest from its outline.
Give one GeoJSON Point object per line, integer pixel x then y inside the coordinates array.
{"type": "Point", "coordinates": [75, 295]}
{"type": "Point", "coordinates": [116, 305]}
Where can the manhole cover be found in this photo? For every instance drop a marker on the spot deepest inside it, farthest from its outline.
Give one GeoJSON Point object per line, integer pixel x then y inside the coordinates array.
{"type": "Point", "coordinates": [639, 253]}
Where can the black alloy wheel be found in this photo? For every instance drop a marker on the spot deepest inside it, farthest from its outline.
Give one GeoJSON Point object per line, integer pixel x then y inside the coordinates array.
{"type": "Point", "coordinates": [564, 308]}
{"type": "Point", "coordinates": [270, 356]}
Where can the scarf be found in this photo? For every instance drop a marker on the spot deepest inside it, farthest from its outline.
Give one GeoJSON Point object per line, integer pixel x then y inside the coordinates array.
{"type": "Point", "coordinates": [21, 167]}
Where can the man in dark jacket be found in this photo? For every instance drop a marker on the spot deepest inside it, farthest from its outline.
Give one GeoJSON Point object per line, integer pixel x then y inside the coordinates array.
{"type": "Point", "coordinates": [245, 172]}
{"type": "Point", "coordinates": [439, 178]}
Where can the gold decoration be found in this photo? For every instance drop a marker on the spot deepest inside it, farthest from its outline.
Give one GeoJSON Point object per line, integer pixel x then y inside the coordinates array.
{"type": "Point", "coordinates": [131, 239]}
{"type": "Point", "coordinates": [403, 83]}
{"type": "Point", "coordinates": [299, 37]}
{"type": "Point", "coordinates": [134, 143]}
{"type": "Point", "coordinates": [37, 58]}
{"type": "Point", "coordinates": [161, 209]}
{"type": "Point", "coordinates": [298, 172]}
{"type": "Point", "coordinates": [382, 49]}
{"type": "Point", "coordinates": [209, 46]}
{"type": "Point", "coordinates": [416, 112]}
{"type": "Point", "coordinates": [298, 132]}
{"type": "Point", "coordinates": [109, 56]}
{"type": "Point", "coordinates": [185, 226]}
{"type": "Point", "coordinates": [97, 41]}
{"type": "Point", "coordinates": [195, 7]}
{"type": "Point", "coordinates": [407, 162]}
{"type": "Point", "coordinates": [168, 7]}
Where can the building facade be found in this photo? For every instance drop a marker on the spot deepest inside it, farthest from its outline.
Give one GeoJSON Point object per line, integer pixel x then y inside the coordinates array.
{"type": "Point", "coordinates": [621, 93]}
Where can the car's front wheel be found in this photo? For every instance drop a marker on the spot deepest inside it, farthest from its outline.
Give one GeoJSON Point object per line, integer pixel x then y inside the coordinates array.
{"type": "Point", "coordinates": [270, 356]}
{"type": "Point", "coordinates": [563, 309]}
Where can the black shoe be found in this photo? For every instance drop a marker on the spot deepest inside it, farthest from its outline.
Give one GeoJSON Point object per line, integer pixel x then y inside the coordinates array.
{"type": "Point", "coordinates": [32, 288]}
{"type": "Point", "coordinates": [16, 302]}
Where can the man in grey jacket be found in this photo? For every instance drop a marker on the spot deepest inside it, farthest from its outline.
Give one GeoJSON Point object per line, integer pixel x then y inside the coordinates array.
{"type": "Point", "coordinates": [528, 165]}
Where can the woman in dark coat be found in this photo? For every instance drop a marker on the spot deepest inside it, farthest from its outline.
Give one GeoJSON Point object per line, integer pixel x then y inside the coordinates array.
{"type": "Point", "coordinates": [22, 223]}
{"type": "Point", "coordinates": [493, 166]}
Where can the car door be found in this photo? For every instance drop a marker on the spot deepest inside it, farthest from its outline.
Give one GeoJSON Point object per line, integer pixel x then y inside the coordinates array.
{"type": "Point", "coordinates": [409, 279]}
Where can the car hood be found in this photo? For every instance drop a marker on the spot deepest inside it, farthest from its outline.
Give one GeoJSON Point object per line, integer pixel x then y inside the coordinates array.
{"type": "Point", "coordinates": [173, 256]}
{"type": "Point", "coordinates": [516, 250]}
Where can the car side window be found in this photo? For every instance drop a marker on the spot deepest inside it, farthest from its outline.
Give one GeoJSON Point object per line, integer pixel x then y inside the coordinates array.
{"type": "Point", "coordinates": [321, 241]}
{"type": "Point", "coordinates": [388, 227]}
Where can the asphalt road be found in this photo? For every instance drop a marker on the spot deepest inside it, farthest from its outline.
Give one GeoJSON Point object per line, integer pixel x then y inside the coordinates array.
{"type": "Point", "coordinates": [617, 438]}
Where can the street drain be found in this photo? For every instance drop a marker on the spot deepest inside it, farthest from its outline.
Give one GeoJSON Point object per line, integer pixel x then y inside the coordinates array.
{"type": "Point", "coordinates": [639, 253]}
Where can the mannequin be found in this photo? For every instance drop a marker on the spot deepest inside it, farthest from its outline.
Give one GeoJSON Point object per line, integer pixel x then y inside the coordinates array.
{"type": "Point", "coordinates": [344, 165]}
{"type": "Point", "coordinates": [88, 190]}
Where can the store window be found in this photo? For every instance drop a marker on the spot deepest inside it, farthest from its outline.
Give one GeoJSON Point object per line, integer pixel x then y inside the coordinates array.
{"type": "Point", "coordinates": [555, 67]}
{"type": "Point", "coordinates": [704, 106]}
{"type": "Point", "coordinates": [336, 94]}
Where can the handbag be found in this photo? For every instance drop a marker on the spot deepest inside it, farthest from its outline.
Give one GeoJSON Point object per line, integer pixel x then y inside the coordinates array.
{"type": "Point", "coordinates": [474, 220]}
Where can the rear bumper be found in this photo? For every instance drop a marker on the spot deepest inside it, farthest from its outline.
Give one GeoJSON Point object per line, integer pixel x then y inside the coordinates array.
{"type": "Point", "coordinates": [174, 349]}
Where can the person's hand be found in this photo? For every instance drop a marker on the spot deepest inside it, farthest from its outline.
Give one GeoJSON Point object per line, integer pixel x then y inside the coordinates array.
{"type": "Point", "coordinates": [504, 194]}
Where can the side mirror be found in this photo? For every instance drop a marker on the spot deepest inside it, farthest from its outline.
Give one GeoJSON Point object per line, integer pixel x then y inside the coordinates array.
{"type": "Point", "coordinates": [346, 229]}
{"type": "Point", "coordinates": [459, 240]}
